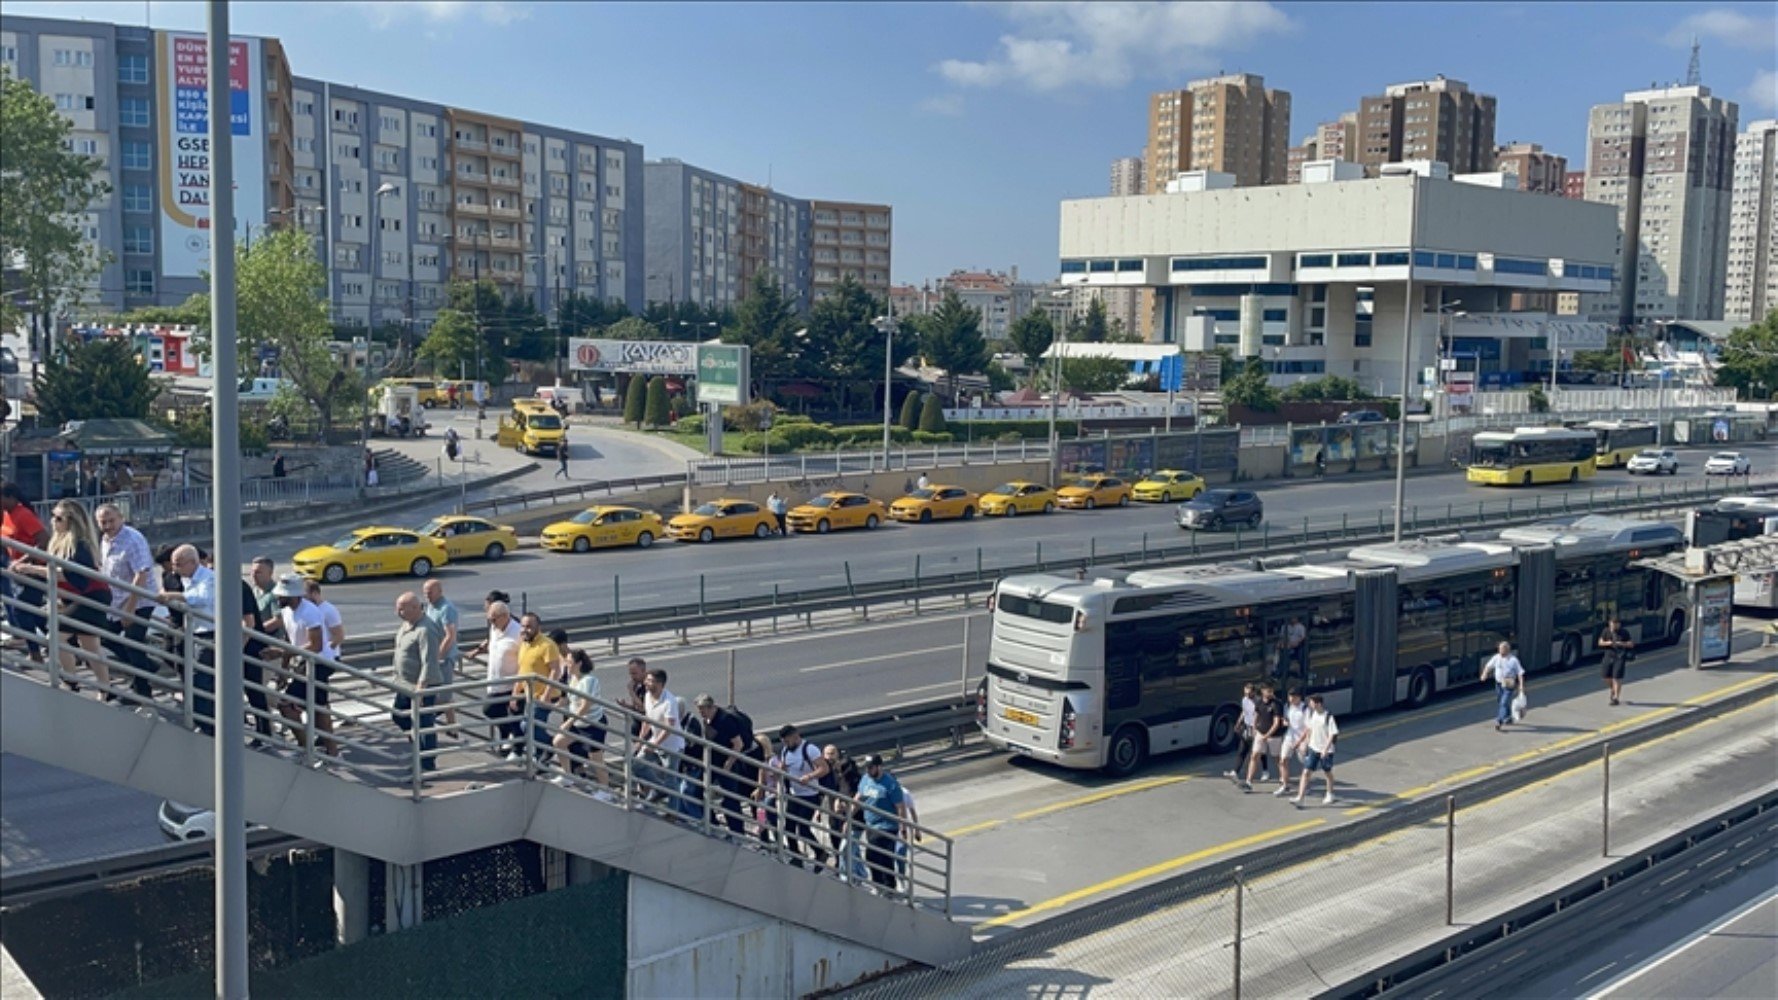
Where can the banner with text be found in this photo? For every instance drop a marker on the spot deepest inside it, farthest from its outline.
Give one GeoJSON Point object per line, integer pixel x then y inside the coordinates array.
{"type": "Point", "coordinates": [184, 124]}
{"type": "Point", "coordinates": [654, 357]}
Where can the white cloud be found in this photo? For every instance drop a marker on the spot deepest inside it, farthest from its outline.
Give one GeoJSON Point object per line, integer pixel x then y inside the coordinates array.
{"type": "Point", "coordinates": [944, 105]}
{"type": "Point", "coordinates": [1763, 91]}
{"type": "Point", "coordinates": [1731, 27]}
{"type": "Point", "coordinates": [433, 13]}
{"type": "Point", "coordinates": [1107, 44]}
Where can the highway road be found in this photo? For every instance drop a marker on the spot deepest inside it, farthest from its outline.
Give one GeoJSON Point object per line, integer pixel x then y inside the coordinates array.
{"type": "Point", "coordinates": [557, 584]}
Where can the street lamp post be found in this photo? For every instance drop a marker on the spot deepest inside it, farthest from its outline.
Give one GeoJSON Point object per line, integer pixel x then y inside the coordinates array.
{"type": "Point", "coordinates": [1447, 363]}
{"type": "Point", "coordinates": [376, 212]}
{"type": "Point", "coordinates": [1056, 344]}
{"type": "Point", "coordinates": [886, 324]}
{"type": "Point", "coordinates": [1409, 312]}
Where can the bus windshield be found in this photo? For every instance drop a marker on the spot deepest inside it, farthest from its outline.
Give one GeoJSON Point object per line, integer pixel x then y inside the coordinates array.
{"type": "Point", "coordinates": [1490, 455]}
{"type": "Point", "coordinates": [1030, 607]}
{"type": "Point", "coordinates": [543, 422]}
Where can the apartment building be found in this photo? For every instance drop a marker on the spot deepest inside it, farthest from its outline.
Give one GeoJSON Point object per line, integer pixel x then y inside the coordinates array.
{"type": "Point", "coordinates": [1439, 119]}
{"type": "Point", "coordinates": [1232, 124]}
{"type": "Point", "coordinates": [775, 239]}
{"type": "Point", "coordinates": [850, 239]}
{"type": "Point", "coordinates": [1335, 140]}
{"type": "Point", "coordinates": [1752, 289]}
{"type": "Point", "coordinates": [707, 235]}
{"type": "Point", "coordinates": [1664, 158]}
{"type": "Point", "coordinates": [125, 91]}
{"type": "Point", "coordinates": [988, 292]}
{"type": "Point", "coordinates": [1126, 175]}
{"type": "Point", "coordinates": [1538, 171]}
{"type": "Point", "coordinates": [1574, 185]}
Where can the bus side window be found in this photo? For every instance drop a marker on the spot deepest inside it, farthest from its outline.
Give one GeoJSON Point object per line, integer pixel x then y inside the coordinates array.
{"type": "Point", "coordinates": [1123, 682]}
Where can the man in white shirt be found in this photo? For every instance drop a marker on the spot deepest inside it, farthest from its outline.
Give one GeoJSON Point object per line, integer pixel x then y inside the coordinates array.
{"type": "Point", "coordinates": [1509, 681]}
{"type": "Point", "coordinates": [1296, 720]}
{"type": "Point", "coordinates": [305, 629]}
{"type": "Point", "coordinates": [658, 753]}
{"type": "Point", "coordinates": [332, 624]}
{"type": "Point", "coordinates": [922, 482]}
{"type": "Point", "coordinates": [197, 600]}
{"type": "Point", "coordinates": [1243, 733]}
{"type": "Point", "coordinates": [1320, 732]}
{"type": "Point", "coordinates": [503, 665]}
{"type": "Point", "coordinates": [124, 556]}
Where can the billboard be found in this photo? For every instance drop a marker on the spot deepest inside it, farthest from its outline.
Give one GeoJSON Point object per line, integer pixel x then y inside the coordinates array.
{"type": "Point", "coordinates": [723, 374]}
{"type": "Point", "coordinates": [183, 121]}
{"type": "Point", "coordinates": [664, 357]}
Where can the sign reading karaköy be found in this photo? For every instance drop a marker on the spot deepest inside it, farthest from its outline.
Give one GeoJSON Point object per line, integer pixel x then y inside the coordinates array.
{"type": "Point", "coordinates": [723, 373]}
{"type": "Point", "coordinates": [662, 357]}
{"type": "Point", "coordinates": [184, 125]}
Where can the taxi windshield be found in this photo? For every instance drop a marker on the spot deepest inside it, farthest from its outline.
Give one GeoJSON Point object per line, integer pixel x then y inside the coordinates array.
{"type": "Point", "coordinates": [706, 510]}
{"type": "Point", "coordinates": [923, 494]}
{"type": "Point", "coordinates": [347, 541]}
{"type": "Point", "coordinates": [431, 526]}
{"type": "Point", "coordinates": [543, 422]}
{"type": "Point", "coordinates": [823, 501]}
{"type": "Point", "coordinates": [587, 517]}
{"type": "Point", "coordinates": [1005, 489]}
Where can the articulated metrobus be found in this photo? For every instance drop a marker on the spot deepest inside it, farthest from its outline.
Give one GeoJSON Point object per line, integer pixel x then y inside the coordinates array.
{"type": "Point", "coordinates": [1620, 440]}
{"type": "Point", "coordinates": [1532, 455]}
{"type": "Point", "coordinates": [1102, 673]}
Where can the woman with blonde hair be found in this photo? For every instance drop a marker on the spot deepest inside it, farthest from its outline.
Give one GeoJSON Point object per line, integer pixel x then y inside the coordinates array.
{"type": "Point", "coordinates": [74, 538]}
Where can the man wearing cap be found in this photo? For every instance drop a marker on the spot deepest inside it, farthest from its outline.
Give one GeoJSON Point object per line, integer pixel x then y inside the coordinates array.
{"type": "Point", "coordinates": [885, 810]}
{"type": "Point", "coordinates": [803, 767]}
{"type": "Point", "coordinates": [305, 629]}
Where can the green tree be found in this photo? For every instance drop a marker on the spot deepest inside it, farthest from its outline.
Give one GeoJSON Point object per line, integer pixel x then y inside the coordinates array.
{"type": "Point", "coordinates": [450, 346]}
{"type": "Point", "coordinates": [843, 345]}
{"type": "Point", "coordinates": [1250, 388]}
{"type": "Point", "coordinates": [1095, 328]}
{"type": "Point", "coordinates": [95, 379]}
{"type": "Point", "coordinates": [1749, 359]}
{"type": "Point", "coordinates": [633, 328]}
{"type": "Point", "coordinates": [932, 415]}
{"type": "Point", "coordinates": [1085, 375]}
{"type": "Point", "coordinates": [45, 187]}
{"type": "Point", "coordinates": [1538, 400]}
{"type": "Point", "coordinates": [1328, 388]}
{"type": "Point", "coordinates": [951, 338]}
{"type": "Point", "coordinates": [1031, 336]}
{"type": "Point", "coordinates": [767, 323]}
{"type": "Point", "coordinates": [281, 304]}
{"type": "Point", "coordinates": [910, 411]}
{"type": "Point", "coordinates": [656, 413]}
{"type": "Point", "coordinates": [1617, 356]}
{"type": "Point", "coordinates": [636, 399]}
{"type": "Point", "coordinates": [579, 313]}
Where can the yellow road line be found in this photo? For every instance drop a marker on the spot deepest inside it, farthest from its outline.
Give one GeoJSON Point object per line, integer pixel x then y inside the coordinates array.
{"type": "Point", "coordinates": [1151, 871]}
{"type": "Point", "coordinates": [1085, 800]}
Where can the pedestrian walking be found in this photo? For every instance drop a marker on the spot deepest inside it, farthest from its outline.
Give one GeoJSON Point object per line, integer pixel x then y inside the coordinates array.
{"type": "Point", "coordinates": [804, 767]}
{"type": "Point", "coordinates": [1618, 648]}
{"type": "Point", "coordinates": [562, 459]}
{"type": "Point", "coordinates": [125, 557]}
{"type": "Point", "coordinates": [884, 806]}
{"type": "Point", "coordinates": [731, 730]}
{"type": "Point", "coordinates": [502, 650]}
{"type": "Point", "coordinates": [1268, 734]}
{"type": "Point", "coordinates": [1320, 463]}
{"type": "Point", "coordinates": [332, 621]}
{"type": "Point", "coordinates": [657, 756]}
{"type": "Point", "coordinates": [1509, 683]}
{"type": "Point", "coordinates": [1243, 734]}
{"type": "Point", "coordinates": [1296, 720]}
{"type": "Point", "coordinates": [1320, 733]}
{"type": "Point", "coordinates": [538, 661]}
{"type": "Point", "coordinates": [922, 482]}
{"type": "Point", "coordinates": [778, 508]}
{"type": "Point", "coordinates": [582, 746]}
{"type": "Point", "coordinates": [20, 524]}
{"type": "Point", "coordinates": [278, 469]}
{"type": "Point", "coordinates": [418, 663]}
{"type": "Point", "coordinates": [83, 597]}
{"type": "Point", "coordinates": [450, 655]}
{"type": "Point", "coordinates": [309, 671]}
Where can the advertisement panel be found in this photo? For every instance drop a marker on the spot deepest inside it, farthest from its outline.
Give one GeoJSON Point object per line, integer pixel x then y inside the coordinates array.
{"type": "Point", "coordinates": [184, 123]}
{"type": "Point", "coordinates": [1715, 602]}
{"type": "Point", "coordinates": [654, 357]}
{"type": "Point", "coordinates": [722, 373]}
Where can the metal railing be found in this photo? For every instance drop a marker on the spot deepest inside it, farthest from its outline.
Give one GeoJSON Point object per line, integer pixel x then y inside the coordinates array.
{"type": "Point", "coordinates": [580, 491]}
{"type": "Point", "coordinates": [532, 727]}
{"type": "Point", "coordinates": [742, 471]}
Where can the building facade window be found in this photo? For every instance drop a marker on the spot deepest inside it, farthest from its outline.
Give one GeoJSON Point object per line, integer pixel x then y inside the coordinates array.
{"type": "Point", "coordinates": [136, 198]}
{"type": "Point", "coordinates": [138, 280]}
{"type": "Point", "coordinates": [133, 111]}
{"type": "Point", "coordinates": [136, 155]}
{"type": "Point", "coordinates": [132, 67]}
{"type": "Point", "coordinates": [138, 239]}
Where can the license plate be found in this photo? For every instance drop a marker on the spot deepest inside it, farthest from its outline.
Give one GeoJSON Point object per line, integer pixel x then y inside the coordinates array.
{"type": "Point", "coordinates": [1019, 716]}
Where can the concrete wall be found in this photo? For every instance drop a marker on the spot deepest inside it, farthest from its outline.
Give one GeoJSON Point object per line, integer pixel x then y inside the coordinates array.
{"type": "Point", "coordinates": [684, 945]}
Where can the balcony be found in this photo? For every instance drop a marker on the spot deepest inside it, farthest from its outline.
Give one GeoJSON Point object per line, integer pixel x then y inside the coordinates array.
{"type": "Point", "coordinates": [507, 181]}
{"type": "Point", "coordinates": [471, 176]}
{"type": "Point", "coordinates": [477, 145]}
{"type": "Point", "coordinates": [506, 212]}
{"type": "Point", "coordinates": [472, 240]}
{"type": "Point", "coordinates": [504, 242]}
{"type": "Point", "coordinates": [471, 208]}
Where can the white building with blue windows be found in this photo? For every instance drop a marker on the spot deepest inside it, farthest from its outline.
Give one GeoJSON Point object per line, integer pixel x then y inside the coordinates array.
{"type": "Point", "coordinates": [1314, 278]}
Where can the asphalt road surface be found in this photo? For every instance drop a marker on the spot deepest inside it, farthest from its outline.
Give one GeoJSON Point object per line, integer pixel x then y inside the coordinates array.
{"type": "Point", "coordinates": [560, 584]}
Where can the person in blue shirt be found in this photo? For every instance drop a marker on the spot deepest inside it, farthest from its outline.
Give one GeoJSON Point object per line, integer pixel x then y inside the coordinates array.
{"type": "Point", "coordinates": [883, 821]}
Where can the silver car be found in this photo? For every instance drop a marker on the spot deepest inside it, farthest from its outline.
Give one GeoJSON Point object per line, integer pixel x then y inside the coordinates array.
{"type": "Point", "coordinates": [1653, 462]}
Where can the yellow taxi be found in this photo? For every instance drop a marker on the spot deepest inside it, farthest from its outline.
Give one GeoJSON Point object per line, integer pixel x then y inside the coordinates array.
{"type": "Point", "coordinates": [722, 519]}
{"type": "Point", "coordinates": [1089, 492]}
{"type": "Point", "coordinates": [538, 429]}
{"type": "Point", "coordinates": [837, 510]}
{"type": "Point", "coordinates": [604, 527]}
{"type": "Point", "coordinates": [430, 392]}
{"type": "Point", "coordinates": [1018, 497]}
{"type": "Point", "coordinates": [372, 552]}
{"type": "Point", "coordinates": [1168, 485]}
{"type": "Point", "coordinates": [471, 537]}
{"type": "Point", "coordinates": [936, 503]}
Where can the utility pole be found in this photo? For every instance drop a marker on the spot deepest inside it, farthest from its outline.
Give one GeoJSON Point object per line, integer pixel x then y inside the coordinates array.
{"type": "Point", "coordinates": [229, 775]}
{"type": "Point", "coordinates": [1409, 311]}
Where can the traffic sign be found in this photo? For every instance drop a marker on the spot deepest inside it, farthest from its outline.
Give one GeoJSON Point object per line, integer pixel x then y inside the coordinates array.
{"type": "Point", "coordinates": [723, 373]}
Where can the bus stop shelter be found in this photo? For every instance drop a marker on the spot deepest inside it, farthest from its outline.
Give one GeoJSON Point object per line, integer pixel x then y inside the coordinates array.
{"type": "Point", "coordinates": [1708, 575]}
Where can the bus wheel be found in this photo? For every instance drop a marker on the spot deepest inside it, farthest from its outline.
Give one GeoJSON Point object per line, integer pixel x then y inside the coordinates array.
{"type": "Point", "coordinates": [1570, 653]}
{"type": "Point", "coordinates": [1128, 751]}
{"type": "Point", "coordinates": [1222, 730]}
{"type": "Point", "coordinates": [1420, 686]}
{"type": "Point", "coordinates": [1675, 628]}
{"type": "Point", "coordinates": [1527, 479]}
{"type": "Point", "coordinates": [1574, 475]}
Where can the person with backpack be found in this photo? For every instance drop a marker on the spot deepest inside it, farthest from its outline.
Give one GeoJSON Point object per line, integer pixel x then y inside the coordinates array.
{"type": "Point", "coordinates": [731, 729]}
{"type": "Point", "coordinates": [799, 793]}
{"type": "Point", "coordinates": [843, 833]}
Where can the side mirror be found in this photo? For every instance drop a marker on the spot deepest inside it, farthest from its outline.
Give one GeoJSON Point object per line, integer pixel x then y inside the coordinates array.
{"type": "Point", "coordinates": [357, 547]}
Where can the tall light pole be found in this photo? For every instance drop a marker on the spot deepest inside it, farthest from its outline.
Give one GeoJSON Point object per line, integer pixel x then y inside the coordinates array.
{"type": "Point", "coordinates": [1056, 344]}
{"type": "Point", "coordinates": [886, 324]}
{"type": "Point", "coordinates": [376, 212]}
{"type": "Point", "coordinates": [1447, 364]}
{"type": "Point", "coordinates": [1410, 311]}
{"type": "Point", "coordinates": [229, 777]}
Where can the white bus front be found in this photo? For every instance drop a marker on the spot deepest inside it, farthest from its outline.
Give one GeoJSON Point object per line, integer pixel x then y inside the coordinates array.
{"type": "Point", "coordinates": [1045, 671]}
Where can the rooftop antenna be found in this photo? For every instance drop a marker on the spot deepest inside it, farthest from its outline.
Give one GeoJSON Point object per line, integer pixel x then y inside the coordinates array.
{"type": "Point", "coordinates": [1693, 75]}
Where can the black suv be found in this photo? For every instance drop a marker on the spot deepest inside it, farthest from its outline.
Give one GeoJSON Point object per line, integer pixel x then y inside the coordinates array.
{"type": "Point", "coordinates": [1362, 417]}
{"type": "Point", "coordinates": [1216, 508]}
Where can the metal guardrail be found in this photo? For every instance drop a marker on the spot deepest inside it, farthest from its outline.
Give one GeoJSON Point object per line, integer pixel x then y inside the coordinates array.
{"type": "Point", "coordinates": [1313, 533]}
{"type": "Point", "coordinates": [563, 494]}
{"type": "Point", "coordinates": [742, 471]}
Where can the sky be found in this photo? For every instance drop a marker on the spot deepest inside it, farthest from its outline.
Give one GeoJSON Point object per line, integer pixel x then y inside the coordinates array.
{"type": "Point", "coordinates": [975, 119]}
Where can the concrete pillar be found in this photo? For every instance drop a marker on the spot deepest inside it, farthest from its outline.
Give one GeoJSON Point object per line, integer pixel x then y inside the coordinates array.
{"type": "Point", "coordinates": [403, 896]}
{"type": "Point", "coordinates": [351, 897]}
{"type": "Point", "coordinates": [555, 868]}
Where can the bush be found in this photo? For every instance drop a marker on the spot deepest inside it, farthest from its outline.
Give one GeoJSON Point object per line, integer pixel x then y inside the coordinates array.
{"type": "Point", "coordinates": [932, 415]}
{"type": "Point", "coordinates": [803, 435]}
{"type": "Point", "coordinates": [254, 439]}
{"type": "Point", "coordinates": [930, 437]}
{"type": "Point", "coordinates": [756, 442]}
{"type": "Point", "coordinates": [749, 418]}
{"type": "Point", "coordinates": [693, 424]}
{"type": "Point", "coordinates": [910, 411]}
{"type": "Point", "coordinates": [655, 412]}
{"type": "Point", "coordinates": [794, 418]}
{"type": "Point", "coordinates": [869, 435]}
{"type": "Point", "coordinates": [1009, 437]}
{"type": "Point", "coordinates": [635, 399]}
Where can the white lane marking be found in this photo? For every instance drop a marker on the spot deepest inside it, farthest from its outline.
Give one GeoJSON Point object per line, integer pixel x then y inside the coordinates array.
{"type": "Point", "coordinates": [925, 687]}
{"type": "Point", "coordinates": [1679, 948]}
{"type": "Point", "coordinates": [905, 654]}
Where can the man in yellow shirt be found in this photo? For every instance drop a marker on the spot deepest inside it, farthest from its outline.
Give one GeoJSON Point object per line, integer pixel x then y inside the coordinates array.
{"type": "Point", "coordinates": [538, 660]}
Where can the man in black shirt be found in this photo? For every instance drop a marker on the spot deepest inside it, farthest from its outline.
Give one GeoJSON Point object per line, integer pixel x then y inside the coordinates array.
{"type": "Point", "coordinates": [1615, 643]}
{"type": "Point", "coordinates": [1268, 733]}
{"type": "Point", "coordinates": [723, 728]}
{"type": "Point", "coordinates": [252, 674]}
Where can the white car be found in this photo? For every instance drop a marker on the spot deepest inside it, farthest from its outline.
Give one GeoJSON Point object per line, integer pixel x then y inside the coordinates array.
{"type": "Point", "coordinates": [1727, 463]}
{"type": "Point", "coordinates": [1653, 461]}
{"type": "Point", "coordinates": [183, 822]}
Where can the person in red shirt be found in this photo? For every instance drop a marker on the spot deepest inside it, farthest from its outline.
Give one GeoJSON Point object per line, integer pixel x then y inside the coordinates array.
{"type": "Point", "coordinates": [19, 523]}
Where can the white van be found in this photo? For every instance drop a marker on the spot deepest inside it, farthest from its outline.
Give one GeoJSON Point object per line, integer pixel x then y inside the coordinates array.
{"type": "Point", "coordinates": [257, 390]}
